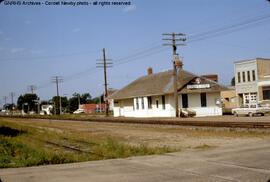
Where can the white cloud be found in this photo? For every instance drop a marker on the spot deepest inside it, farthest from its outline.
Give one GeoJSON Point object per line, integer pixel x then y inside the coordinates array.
{"type": "Point", "coordinates": [75, 30]}
{"type": "Point", "coordinates": [16, 50]}
{"type": "Point", "coordinates": [130, 8]}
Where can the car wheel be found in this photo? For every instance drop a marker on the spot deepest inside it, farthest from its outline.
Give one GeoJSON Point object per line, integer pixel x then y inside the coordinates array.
{"type": "Point", "coordinates": [250, 114]}
{"type": "Point", "coordinates": [235, 114]}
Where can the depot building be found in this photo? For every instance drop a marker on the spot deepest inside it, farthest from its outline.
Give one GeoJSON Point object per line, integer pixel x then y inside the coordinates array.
{"type": "Point", "coordinates": [152, 95]}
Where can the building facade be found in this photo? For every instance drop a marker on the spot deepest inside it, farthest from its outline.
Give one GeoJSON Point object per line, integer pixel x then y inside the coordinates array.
{"type": "Point", "coordinates": [229, 98]}
{"type": "Point", "coordinates": [252, 82]}
{"type": "Point", "coordinates": [152, 96]}
{"type": "Point", "coordinates": [93, 108]}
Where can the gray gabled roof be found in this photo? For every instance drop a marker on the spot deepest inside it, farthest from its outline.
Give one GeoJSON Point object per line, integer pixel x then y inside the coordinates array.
{"type": "Point", "coordinates": [159, 84]}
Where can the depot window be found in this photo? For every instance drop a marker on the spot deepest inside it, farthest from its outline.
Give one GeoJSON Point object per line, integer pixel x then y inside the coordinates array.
{"type": "Point", "coordinates": [137, 103]}
{"type": "Point", "coordinates": [142, 103]}
{"type": "Point", "coordinates": [163, 101]}
{"type": "Point", "coordinates": [149, 100]}
{"type": "Point", "coordinates": [184, 100]}
{"type": "Point", "coordinates": [203, 100]}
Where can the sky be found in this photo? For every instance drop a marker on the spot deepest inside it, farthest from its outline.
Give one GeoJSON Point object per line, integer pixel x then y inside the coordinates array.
{"type": "Point", "coordinates": [42, 41]}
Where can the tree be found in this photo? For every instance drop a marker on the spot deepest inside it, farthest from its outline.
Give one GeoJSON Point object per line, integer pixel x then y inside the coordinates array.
{"type": "Point", "coordinates": [28, 102]}
{"type": "Point", "coordinates": [64, 103]}
{"type": "Point", "coordinates": [233, 81]}
{"type": "Point", "coordinates": [9, 106]}
{"type": "Point", "coordinates": [44, 102]}
{"type": "Point", "coordinates": [97, 100]}
{"type": "Point", "coordinates": [78, 99]}
{"type": "Point", "coordinates": [85, 98]}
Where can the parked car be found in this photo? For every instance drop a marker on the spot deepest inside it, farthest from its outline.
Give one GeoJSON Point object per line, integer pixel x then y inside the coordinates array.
{"type": "Point", "coordinates": [251, 111]}
{"type": "Point", "coordinates": [79, 111]}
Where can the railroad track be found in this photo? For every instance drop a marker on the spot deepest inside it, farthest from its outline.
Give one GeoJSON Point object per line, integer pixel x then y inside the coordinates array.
{"type": "Point", "coordinates": [164, 121]}
{"type": "Point", "coordinates": [67, 147]}
{"type": "Point", "coordinates": [227, 124]}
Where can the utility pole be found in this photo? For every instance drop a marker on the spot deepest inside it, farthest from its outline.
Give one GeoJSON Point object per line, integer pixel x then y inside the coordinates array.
{"type": "Point", "coordinates": [57, 80]}
{"type": "Point", "coordinates": [12, 94]}
{"type": "Point", "coordinates": [32, 88]}
{"type": "Point", "coordinates": [174, 37]}
{"type": "Point", "coordinates": [5, 99]}
{"type": "Point", "coordinates": [105, 63]}
{"type": "Point", "coordinates": [79, 100]}
{"type": "Point", "coordinates": [38, 105]}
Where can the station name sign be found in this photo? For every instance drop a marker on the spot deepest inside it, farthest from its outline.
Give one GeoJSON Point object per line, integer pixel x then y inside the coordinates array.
{"type": "Point", "coordinates": [198, 86]}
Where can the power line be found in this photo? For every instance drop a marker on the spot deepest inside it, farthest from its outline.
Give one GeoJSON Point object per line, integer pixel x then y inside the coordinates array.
{"type": "Point", "coordinates": [229, 29]}
{"type": "Point", "coordinates": [94, 70]}
{"type": "Point", "coordinates": [202, 36]}
{"type": "Point", "coordinates": [157, 49]}
{"type": "Point", "coordinates": [139, 53]}
{"type": "Point", "coordinates": [139, 57]}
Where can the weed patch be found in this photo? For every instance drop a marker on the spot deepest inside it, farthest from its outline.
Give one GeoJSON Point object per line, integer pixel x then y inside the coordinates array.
{"type": "Point", "coordinates": [7, 131]}
{"type": "Point", "coordinates": [22, 145]}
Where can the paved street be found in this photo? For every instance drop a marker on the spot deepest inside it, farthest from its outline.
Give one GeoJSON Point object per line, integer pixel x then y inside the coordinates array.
{"type": "Point", "coordinates": [239, 163]}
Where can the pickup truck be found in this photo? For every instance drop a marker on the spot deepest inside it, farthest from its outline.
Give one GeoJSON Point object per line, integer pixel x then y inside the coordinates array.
{"type": "Point", "coordinates": [251, 111]}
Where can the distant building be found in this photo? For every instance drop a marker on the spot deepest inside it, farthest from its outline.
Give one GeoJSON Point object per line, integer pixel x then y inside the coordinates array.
{"type": "Point", "coordinates": [47, 109]}
{"type": "Point", "coordinates": [252, 81]}
{"type": "Point", "coordinates": [229, 99]}
{"type": "Point", "coordinates": [92, 108]}
{"type": "Point", "coordinates": [153, 95]}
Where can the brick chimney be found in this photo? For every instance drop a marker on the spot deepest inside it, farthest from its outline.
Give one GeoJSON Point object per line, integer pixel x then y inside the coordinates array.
{"type": "Point", "coordinates": [213, 77]}
{"type": "Point", "coordinates": [150, 71]}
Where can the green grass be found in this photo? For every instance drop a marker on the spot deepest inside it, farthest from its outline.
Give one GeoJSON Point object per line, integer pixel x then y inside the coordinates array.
{"type": "Point", "coordinates": [21, 146]}
{"type": "Point", "coordinates": [17, 154]}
